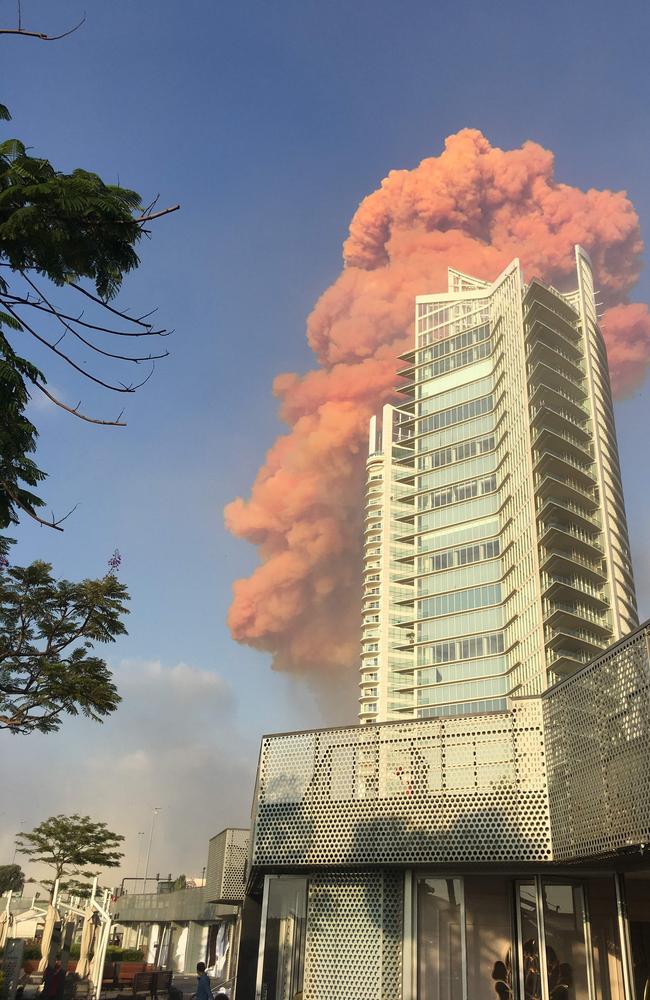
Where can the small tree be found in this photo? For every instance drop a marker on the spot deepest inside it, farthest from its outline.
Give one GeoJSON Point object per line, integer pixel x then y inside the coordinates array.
{"type": "Point", "coordinates": [12, 879]}
{"type": "Point", "coordinates": [70, 846]}
{"type": "Point", "coordinates": [47, 631]}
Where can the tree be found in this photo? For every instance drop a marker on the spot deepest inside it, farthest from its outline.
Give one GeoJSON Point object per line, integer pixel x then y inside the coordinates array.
{"type": "Point", "coordinates": [64, 228]}
{"type": "Point", "coordinates": [12, 879]}
{"type": "Point", "coordinates": [47, 631]}
{"type": "Point", "coordinates": [70, 846]}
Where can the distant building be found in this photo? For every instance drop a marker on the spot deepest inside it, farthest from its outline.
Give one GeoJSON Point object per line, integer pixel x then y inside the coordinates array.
{"type": "Point", "coordinates": [178, 928]}
{"type": "Point", "coordinates": [497, 558]}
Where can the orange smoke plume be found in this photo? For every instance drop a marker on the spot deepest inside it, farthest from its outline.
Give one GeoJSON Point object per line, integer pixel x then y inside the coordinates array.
{"type": "Point", "coordinates": [473, 207]}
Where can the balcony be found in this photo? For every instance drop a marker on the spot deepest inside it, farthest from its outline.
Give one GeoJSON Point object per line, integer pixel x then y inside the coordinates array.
{"type": "Point", "coordinates": [567, 489]}
{"type": "Point", "coordinates": [559, 438]}
{"type": "Point", "coordinates": [558, 421]}
{"type": "Point", "coordinates": [561, 535]}
{"type": "Point", "coordinates": [565, 466]}
{"type": "Point", "coordinates": [553, 508]}
{"type": "Point", "coordinates": [567, 588]}
{"type": "Point", "coordinates": [559, 402]}
{"type": "Point", "coordinates": [542, 303]}
{"type": "Point", "coordinates": [539, 329]}
{"type": "Point", "coordinates": [559, 616]}
{"type": "Point", "coordinates": [579, 639]}
{"type": "Point", "coordinates": [557, 358]}
{"type": "Point", "coordinates": [560, 563]}
{"type": "Point", "coordinates": [557, 378]}
{"type": "Point", "coordinates": [566, 661]}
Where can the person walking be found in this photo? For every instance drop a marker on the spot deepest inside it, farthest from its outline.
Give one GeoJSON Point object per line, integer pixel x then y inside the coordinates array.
{"type": "Point", "coordinates": [203, 991]}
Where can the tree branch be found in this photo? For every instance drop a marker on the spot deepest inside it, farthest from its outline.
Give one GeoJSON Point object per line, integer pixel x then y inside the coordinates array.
{"type": "Point", "coordinates": [93, 378]}
{"type": "Point", "coordinates": [21, 300]}
{"type": "Point", "coordinates": [41, 35]}
{"type": "Point", "coordinates": [117, 312]}
{"type": "Point", "coordinates": [148, 217]}
{"type": "Point", "coordinates": [47, 524]}
{"type": "Point", "coordinates": [75, 410]}
{"type": "Point", "coordinates": [66, 325]}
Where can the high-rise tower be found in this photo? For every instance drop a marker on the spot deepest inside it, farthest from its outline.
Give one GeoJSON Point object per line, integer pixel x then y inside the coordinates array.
{"type": "Point", "coordinates": [497, 556]}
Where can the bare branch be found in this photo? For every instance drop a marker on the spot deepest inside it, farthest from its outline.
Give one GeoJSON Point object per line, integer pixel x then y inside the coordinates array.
{"type": "Point", "coordinates": [75, 410]}
{"type": "Point", "coordinates": [95, 298]}
{"type": "Point", "coordinates": [21, 300]}
{"type": "Point", "coordinates": [157, 215]}
{"type": "Point", "coordinates": [41, 35]}
{"type": "Point", "coordinates": [93, 378]}
{"type": "Point", "coordinates": [46, 524]}
{"type": "Point", "coordinates": [88, 343]}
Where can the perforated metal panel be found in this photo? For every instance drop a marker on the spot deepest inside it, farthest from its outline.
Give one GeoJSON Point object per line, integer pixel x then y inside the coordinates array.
{"type": "Point", "coordinates": [428, 791]}
{"type": "Point", "coordinates": [354, 937]}
{"type": "Point", "coordinates": [226, 870]}
{"type": "Point", "coordinates": [597, 727]}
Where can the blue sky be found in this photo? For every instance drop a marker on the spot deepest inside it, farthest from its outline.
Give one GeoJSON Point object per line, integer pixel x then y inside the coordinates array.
{"type": "Point", "coordinates": [268, 121]}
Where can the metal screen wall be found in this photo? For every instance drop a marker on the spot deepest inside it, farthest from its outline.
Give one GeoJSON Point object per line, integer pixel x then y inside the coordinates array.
{"type": "Point", "coordinates": [226, 869]}
{"type": "Point", "coordinates": [428, 791]}
{"type": "Point", "coordinates": [354, 936]}
{"type": "Point", "coordinates": [597, 726]}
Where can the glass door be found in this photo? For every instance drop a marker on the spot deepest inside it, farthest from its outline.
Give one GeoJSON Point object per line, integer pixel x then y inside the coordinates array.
{"type": "Point", "coordinates": [439, 939]}
{"type": "Point", "coordinates": [284, 939]}
{"type": "Point", "coordinates": [553, 947]}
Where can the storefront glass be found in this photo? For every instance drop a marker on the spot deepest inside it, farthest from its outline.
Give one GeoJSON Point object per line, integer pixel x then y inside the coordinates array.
{"type": "Point", "coordinates": [564, 934]}
{"type": "Point", "coordinates": [488, 907]}
{"type": "Point", "coordinates": [439, 939]}
{"type": "Point", "coordinates": [284, 942]}
{"type": "Point", "coordinates": [605, 941]}
{"type": "Point", "coordinates": [637, 894]}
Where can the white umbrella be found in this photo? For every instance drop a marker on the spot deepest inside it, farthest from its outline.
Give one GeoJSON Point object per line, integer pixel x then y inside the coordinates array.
{"type": "Point", "coordinates": [87, 945]}
{"type": "Point", "coordinates": [4, 927]}
{"type": "Point", "coordinates": [51, 918]}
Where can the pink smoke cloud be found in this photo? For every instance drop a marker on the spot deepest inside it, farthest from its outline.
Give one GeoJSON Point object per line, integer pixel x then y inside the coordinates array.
{"type": "Point", "coordinates": [473, 207]}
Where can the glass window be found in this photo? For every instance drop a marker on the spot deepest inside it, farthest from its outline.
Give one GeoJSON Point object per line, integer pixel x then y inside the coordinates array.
{"type": "Point", "coordinates": [605, 943]}
{"type": "Point", "coordinates": [637, 893]}
{"type": "Point", "coordinates": [439, 939]}
{"type": "Point", "coordinates": [284, 943]}
{"type": "Point", "coordinates": [530, 970]}
{"type": "Point", "coordinates": [489, 938]}
{"type": "Point", "coordinates": [564, 932]}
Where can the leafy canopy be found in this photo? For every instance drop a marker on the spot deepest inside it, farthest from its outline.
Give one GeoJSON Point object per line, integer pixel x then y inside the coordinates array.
{"type": "Point", "coordinates": [62, 227]}
{"type": "Point", "coordinates": [70, 846]}
{"type": "Point", "coordinates": [47, 631]}
{"type": "Point", "coordinates": [12, 878]}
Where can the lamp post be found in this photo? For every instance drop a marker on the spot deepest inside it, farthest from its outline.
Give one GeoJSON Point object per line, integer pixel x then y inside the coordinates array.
{"type": "Point", "coordinates": [146, 867]}
{"type": "Point", "coordinates": [140, 846]}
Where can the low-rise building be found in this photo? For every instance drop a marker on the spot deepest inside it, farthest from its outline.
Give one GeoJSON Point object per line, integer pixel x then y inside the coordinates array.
{"type": "Point", "coordinates": [180, 928]}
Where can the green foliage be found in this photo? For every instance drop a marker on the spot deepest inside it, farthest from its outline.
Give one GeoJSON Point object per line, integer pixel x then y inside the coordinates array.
{"type": "Point", "coordinates": [64, 227]}
{"type": "Point", "coordinates": [47, 631]}
{"type": "Point", "coordinates": [70, 846]}
{"type": "Point", "coordinates": [12, 878]}
{"type": "Point", "coordinates": [116, 954]}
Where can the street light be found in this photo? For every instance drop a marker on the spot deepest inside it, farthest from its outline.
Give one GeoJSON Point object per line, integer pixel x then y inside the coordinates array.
{"type": "Point", "coordinates": [156, 810]}
{"type": "Point", "coordinates": [140, 846]}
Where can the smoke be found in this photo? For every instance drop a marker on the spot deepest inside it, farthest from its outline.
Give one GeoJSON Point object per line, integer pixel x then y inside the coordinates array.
{"type": "Point", "coordinates": [474, 207]}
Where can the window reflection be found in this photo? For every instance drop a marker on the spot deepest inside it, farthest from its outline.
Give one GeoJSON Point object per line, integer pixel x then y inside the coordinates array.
{"type": "Point", "coordinates": [566, 952]}
{"type": "Point", "coordinates": [440, 970]}
{"type": "Point", "coordinates": [284, 944]}
{"type": "Point", "coordinates": [637, 892]}
{"type": "Point", "coordinates": [489, 937]}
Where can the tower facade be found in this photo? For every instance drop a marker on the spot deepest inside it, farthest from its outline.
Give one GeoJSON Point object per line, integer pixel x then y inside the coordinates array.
{"type": "Point", "coordinates": [497, 559]}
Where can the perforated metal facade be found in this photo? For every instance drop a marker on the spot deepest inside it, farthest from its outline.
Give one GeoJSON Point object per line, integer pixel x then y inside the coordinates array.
{"type": "Point", "coordinates": [432, 791]}
{"type": "Point", "coordinates": [597, 725]}
{"type": "Point", "coordinates": [226, 869]}
{"type": "Point", "coordinates": [354, 936]}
